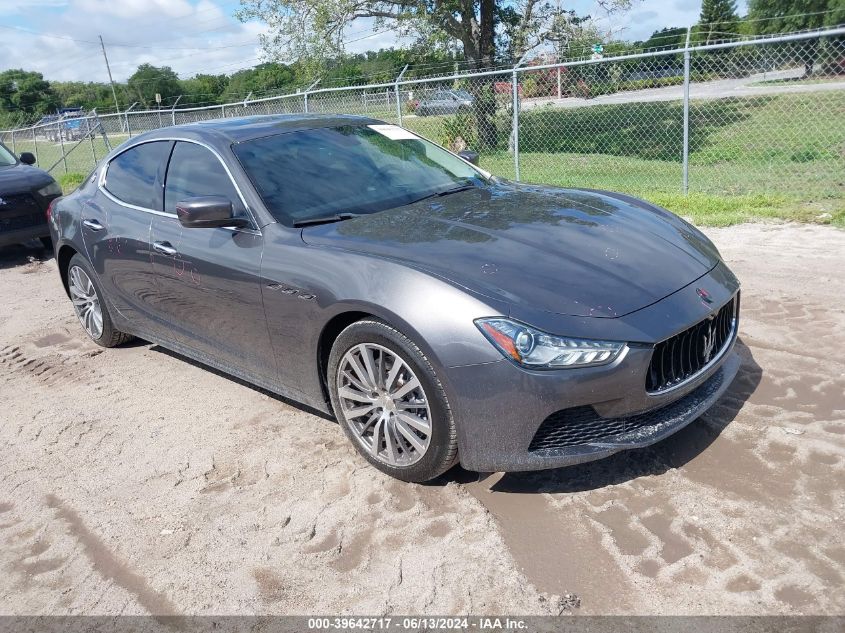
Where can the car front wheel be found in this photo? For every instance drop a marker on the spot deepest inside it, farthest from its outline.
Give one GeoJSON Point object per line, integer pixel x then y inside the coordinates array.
{"type": "Point", "coordinates": [390, 403]}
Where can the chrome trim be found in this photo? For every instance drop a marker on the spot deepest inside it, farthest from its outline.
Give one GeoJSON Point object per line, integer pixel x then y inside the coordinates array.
{"type": "Point", "coordinates": [101, 183]}
{"type": "Point", "coordinates": [715, 360]}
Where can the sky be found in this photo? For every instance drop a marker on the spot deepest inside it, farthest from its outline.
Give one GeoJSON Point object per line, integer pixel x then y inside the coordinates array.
{"type": "Point", "coordinates": [59, 38]}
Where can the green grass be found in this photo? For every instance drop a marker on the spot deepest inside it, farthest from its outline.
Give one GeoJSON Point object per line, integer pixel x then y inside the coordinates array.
{"type": "Point", "coordinates": [70, 181]}
{"type": "Point", "coordinates": [78, 158]}
{"type": "Point", "coordinates": [660, 182]}
{"type": "Point", "coordinates": [764, 158]}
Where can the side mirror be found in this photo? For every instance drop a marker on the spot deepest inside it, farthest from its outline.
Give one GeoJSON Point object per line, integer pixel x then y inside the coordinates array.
{"type": "Point", "coordinates": [207, 212]}
{"type": "Point", "coordinates": [27, 158]}
{"type": "Point", "coordinates": [469, 156]}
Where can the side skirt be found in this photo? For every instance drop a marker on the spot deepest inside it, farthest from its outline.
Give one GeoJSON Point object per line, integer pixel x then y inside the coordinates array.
{"type": "Point", "coordinates": [274, 388]}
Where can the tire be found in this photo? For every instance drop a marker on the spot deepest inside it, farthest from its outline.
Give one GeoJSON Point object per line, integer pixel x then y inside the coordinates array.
{"type": "Point", "coordinates": [47, 243]}
{"type": "Point", "coordinates": [397, 415]}
{"type": "Point", "coordinates": [87, 298]}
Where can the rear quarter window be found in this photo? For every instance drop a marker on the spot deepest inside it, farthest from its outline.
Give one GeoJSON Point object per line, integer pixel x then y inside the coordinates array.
{"type": "Point", "coordinates": [131, 176]}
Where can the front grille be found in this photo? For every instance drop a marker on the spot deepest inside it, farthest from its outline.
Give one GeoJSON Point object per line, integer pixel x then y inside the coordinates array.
{"type": "Point", "coordinates": [20, 212]}
{"type": "Point", "coordinates": [571, 427]}
{"type": "Point", "coordinates": [582, 425]}
{"type": "Point", "coordinates": [681, 357]}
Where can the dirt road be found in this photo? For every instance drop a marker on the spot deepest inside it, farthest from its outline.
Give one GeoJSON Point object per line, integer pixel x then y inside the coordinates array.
{"type": "Point", "coordinates": [134, 481]}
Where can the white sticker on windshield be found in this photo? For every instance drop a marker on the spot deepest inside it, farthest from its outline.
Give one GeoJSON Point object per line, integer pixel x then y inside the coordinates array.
{"type": "Point", "coordinates": [393, 132]}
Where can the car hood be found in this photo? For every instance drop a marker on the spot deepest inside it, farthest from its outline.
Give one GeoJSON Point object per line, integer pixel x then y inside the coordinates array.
{"type": "Point", "coordinates": [566, 251]}
{"type": "Point", "coordinates": [22, 178]}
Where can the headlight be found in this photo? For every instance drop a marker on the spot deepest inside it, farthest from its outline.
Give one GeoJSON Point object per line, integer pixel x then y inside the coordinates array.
{"type": "Point", "coordinates": [53, 189]}
{"type": "Point", "coordinates": [536, 349]}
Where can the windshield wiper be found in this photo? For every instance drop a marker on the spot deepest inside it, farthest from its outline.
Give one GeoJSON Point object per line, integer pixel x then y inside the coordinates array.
{"type": "Point", "coordinates": [328, 219]}
{"type": "Point", "coordinates": [440, 194]}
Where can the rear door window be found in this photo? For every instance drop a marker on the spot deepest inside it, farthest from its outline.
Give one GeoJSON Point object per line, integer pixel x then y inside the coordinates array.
{"type": "Point", "coordinates": [131, 176]}
{"type": "Point", "coordinates": [195, 171]}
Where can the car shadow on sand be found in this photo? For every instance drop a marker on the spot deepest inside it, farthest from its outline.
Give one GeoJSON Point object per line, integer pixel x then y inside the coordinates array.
{"type": "Point", "coordinates": [673, 452]}
{"type": "Point", "coordinates": [23, 254]}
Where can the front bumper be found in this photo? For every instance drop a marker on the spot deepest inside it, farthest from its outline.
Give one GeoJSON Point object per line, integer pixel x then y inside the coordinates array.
{"type": "Point", "coordinates": [17, 236]}
{"type": "Point", "coordinates": [501, 407]}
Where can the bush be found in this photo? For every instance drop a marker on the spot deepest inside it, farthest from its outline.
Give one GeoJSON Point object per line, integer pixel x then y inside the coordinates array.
{"type": "Point", "coordinates": [459, 132]}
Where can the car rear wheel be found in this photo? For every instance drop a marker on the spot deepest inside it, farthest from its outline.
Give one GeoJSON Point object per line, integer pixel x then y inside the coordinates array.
{"type": "Point", "coordinates": [390, 403]}
{"type": "Point", "coordinates": [91, 310]}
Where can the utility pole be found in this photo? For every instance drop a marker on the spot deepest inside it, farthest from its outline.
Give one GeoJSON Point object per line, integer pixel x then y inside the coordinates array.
{"type": "Point", "coordinates": [111, 81]}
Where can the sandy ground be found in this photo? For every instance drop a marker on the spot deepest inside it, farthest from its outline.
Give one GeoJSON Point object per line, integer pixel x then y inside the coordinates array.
{"type": "Point", "coordinates": [133, 481]}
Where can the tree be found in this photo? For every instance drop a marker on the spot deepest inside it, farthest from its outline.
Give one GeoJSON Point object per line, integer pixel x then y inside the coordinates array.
{"type": "Point", "coordinates": [88, 95]}
{"type": "Point", "coordinates": [783, 16]}
{"type": "Point", "coordinates": [149, 80]}
{"type": "Point", "coordinates": [26, 95]}
{"type": "Point", "coordinates": [718, 19]}
{"type": "Point", "coordinates": [203, 89]}
{"type": "Point", "coordinates": [313, 31]}
{"type": "Point", "coordinates": [260, 80]}
{"type": "Point", "coordinates": [666, 38]}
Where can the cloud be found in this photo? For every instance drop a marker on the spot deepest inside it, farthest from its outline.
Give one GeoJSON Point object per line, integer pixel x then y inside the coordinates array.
{"type": "Point", "coordinates": [127, 9]}
{"type": "Point", "coordinates": [191, 37]}
{"type": "Point", "coordinates": [20, 7]}
{"type": "Point", "coordinates": [202, 36]}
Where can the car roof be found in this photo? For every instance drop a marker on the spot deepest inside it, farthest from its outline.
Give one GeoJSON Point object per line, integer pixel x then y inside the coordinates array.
{"type": "Point", "coordinates": [240, 129]}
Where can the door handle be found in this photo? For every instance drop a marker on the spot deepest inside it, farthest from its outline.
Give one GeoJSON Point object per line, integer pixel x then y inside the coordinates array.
{"type": "Point", "coordinates": [164, 247]}
{"type": "Point", "coordinates": [93, 225]}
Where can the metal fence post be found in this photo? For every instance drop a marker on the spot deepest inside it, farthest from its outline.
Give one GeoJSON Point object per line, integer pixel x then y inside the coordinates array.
{"type": "Point", "coordinates": [93, 151]}
{"type": "Point", "coordinates": [102, 129]}
{"type": "Point", "coordinates": [514, 90]}
{"type": "Point", "coordinates": [35, 141]}
{"type": "Point", "coordinates": [62, 143]}
{"type": "Point", "coordinates": [173, 110]}
{"type": "Point", "coordinates": [126, 114]}
{"type": "Point", "coordinates": [515, 123]}
{"type": "Point", "coordinates": [14, 144]}
{"type": "Point", "coordinates": [309, 89]}
{"type": "Point", "coordinates": [398, 101]}
{"type": "Point", "coordinates": [686, 113]}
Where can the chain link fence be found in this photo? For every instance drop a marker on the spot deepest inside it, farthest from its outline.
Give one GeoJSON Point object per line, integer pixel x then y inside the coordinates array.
{"type": "Point", "coordinates": [759, 118]}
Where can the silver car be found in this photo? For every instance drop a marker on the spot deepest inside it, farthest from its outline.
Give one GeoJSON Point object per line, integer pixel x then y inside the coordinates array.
{"type": "Point", "coordinates": [445, 102]}
{"type": "Point", "coordinates": [441, 314]}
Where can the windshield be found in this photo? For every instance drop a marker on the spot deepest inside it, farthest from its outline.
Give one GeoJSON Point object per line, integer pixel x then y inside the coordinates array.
{"type": "Point", "coordinates": [463, 94]}
{"type": "Point", "coordinates": [6, 157]}
{"type": "Point", "coordinates": [350, 169]}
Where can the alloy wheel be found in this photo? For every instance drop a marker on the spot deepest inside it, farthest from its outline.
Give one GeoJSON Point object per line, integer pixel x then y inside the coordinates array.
{"type": "Point", "coordinates": [86, 302]}
{"type": "Point", "coordinates": [384, 404]}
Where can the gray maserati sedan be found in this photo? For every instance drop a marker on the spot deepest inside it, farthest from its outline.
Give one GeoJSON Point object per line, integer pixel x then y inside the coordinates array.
{"type": "Point", "coordinates": [441, 314]}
